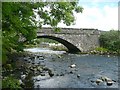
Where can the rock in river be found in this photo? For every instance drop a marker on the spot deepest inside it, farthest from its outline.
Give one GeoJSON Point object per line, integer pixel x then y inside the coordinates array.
{"type": "Point", "coordinates": [42, 74]}
{"type": "Point", "coordinates": [71, 72]}
{"type": "Point", "coordinates": [39, 69]}
{"type": "Point", "coordinates": [104, 78]}
{"type": "Point", "coordinates": [23, 77]}
{"type": "Point", "coordinates": [51, 73]}
{"type": "Point", "coordinates": [98, 81]}
{"type": "Point", "coordinates": [78, 76]}
{"type": "Point", "coordinates": [109, 82]}
{"type": "Point", "coordinates": [73, 66]}
{"type": "Point", "coordinates": [61, 74]}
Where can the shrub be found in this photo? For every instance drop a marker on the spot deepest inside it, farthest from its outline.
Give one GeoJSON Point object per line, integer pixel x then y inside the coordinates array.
{"type": "Point", "coordinates": [101, 49]}
{"type": "Point", "coordinates": [110, 40]}
{"type": "Point", "coordinates": [11, 83]}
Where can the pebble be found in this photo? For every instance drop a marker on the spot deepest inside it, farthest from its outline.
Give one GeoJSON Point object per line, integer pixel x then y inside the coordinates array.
{"type": "Point", "coordinates": [114, 80]}
{"type": "Point", "coordinates": [92, 81]}
{"type": "Point", "coordinates": [104, 78]}
{"type": "Point", "coordinates": [23, 77]}
{"type": "Point", "coordinates": [98, 81]}
{"type": "Point", "coordinates": [61, 74]}
{"type": "Point", "coordinates": [41, 58]}
{"type": "Point", "coordinates": [38, 86]}
{"type": "Point", "coordinates": [39, 69]}
{"type": "Point", "coordinates": [71, 72]}
{"type": "Point", "coordinates": [50, 73]}
{"type": "Point", "coordinates": [39, 62]}
{"type": "Point", "coordinates": [78, 76]}
{"type": "Point", "coordinates": [33, 62]}
{"type": "Point", "coordinates": [109, 82]}
{"type": "Point", "coordinates": [25, 59]}
{"type": "Point", "coordinates": [45, 68]}
{"type": "Point", "coordinates": [31, 69]}
{"type": "Point", "coordinates": [108, 55]}
{"type": "Point", "coordinates": [42, 74]}
{"type": "Point", "coordinates": [57, 74]}
{"type": "Point", "coordinates": [37, 79]}
{"type": "Point", "coordinates": [59, 56]}
{"type": "Point", "coordinates": [73, 66]}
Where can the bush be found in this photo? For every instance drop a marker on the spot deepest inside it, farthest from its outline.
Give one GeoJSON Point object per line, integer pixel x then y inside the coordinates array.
{"type": "Point", "coordinates": [101, 49]}
{"type": "Point", "coordinates": [110, 40]}
{"type": "Point", "coordinates": [11, 83]}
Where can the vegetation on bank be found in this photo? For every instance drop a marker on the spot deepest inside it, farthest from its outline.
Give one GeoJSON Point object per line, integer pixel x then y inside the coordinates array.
{"type": "Point", "coordinates": [110, 41]}
{"type": "Point", "coordinates": [102, 51]}
{"type": "Point", "coordinates": [11, 83]}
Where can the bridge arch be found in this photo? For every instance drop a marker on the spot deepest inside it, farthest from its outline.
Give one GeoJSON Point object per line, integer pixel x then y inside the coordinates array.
{"type": "Point", "coordinates": [71, 48]}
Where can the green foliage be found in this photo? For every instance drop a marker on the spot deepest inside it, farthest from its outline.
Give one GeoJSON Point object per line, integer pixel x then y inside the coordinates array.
{"type": "Point", "coordinates": [101, 49]}
{"type": "Point", "coordinates": [110, 40]}
{"type": "Point", "coordinates": [57, 29]}
{"type": "Point", "coordinates": [19, 20]}
{"type": "Point", "coordinates": [8, 67]}
{"type": "Point", "coordinates": [16, 22]}
{"type": "Point", "coordinates": [11, 83]}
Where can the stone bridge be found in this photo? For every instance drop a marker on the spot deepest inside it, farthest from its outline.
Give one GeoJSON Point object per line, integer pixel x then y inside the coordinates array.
{"type": "Point", "coordinates": [76, 40]}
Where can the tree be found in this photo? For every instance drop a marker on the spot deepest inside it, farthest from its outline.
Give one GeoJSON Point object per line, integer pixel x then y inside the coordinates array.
{"type": "Point", "coordinates": [19, 20]}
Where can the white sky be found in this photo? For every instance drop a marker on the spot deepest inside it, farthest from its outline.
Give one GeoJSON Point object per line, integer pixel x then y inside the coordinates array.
{"type": "Point", "coordinates": [97, 14]}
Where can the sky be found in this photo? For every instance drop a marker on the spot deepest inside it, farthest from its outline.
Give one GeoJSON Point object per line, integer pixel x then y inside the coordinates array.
{"type": "Point", "coordinates": [97, 14]}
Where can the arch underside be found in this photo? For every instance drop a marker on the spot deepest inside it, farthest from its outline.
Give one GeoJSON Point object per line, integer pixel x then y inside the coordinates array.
{"type": "Point", "coordinates": [71, 48]}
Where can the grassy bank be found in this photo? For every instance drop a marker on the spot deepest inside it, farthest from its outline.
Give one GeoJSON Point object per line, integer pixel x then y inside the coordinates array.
{"type": "Point", "coordinates": [103, 51]}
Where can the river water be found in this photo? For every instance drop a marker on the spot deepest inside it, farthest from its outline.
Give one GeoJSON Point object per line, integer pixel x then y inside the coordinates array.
{"type": "Point", "coordinates": [87, 69]}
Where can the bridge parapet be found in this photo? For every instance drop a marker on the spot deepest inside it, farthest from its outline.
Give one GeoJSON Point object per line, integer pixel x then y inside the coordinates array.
{"type": "Point", "coordinates": [69, 31]}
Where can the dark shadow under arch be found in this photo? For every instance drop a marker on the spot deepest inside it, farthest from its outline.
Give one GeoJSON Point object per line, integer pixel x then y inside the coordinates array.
{"type": "Point", "coordinates": [71, 48]}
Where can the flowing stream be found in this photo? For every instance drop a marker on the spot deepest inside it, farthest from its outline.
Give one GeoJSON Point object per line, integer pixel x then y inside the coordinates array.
{"type": "Point", "coordinates": [57, 70]}
{"type": "Point", "coordinates": [44, 50]}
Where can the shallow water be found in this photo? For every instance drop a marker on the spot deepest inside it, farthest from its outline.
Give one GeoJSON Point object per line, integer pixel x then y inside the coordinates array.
{"type": "Point", "coordinates": [88, 67]}
{"type": "Point", "coordinates": [43, 50]}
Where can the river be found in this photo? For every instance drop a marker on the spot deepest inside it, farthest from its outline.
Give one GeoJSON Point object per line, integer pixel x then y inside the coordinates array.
{"type": "Point", "coordinates": [84, 73]}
